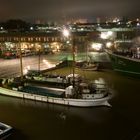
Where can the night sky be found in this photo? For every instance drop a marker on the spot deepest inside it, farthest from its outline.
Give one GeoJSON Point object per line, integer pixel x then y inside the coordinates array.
{"type": "Point", "coordinates": [57, 9]}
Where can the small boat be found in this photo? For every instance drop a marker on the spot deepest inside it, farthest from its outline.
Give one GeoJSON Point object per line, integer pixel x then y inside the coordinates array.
{"type": "Point", "coordinates": [84, 65]}
{"type": "Point", "coordinates": [5, 131]}
{"type": "Point", "coordinates": [125, 64]}
{"type": "Point", "coordinates": [90, 67]}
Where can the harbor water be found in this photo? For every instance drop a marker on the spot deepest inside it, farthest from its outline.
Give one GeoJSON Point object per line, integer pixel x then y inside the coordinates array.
{"type": "Point", "coordinates": [43, 121]}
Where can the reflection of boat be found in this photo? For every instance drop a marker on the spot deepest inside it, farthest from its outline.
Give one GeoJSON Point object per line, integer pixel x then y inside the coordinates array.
{"type": "Point", "coordinates": [125, 64]}
{"type": "Point", "coordinates": [5, 130]}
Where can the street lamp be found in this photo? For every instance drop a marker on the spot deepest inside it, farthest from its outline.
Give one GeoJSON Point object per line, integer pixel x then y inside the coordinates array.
{"type": "Point", "coordinates": [66, 33]}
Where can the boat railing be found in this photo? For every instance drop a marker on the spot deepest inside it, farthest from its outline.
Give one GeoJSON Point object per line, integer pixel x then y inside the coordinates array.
{"type": "Point", "coordinates": [101, 87]}
{"type": "Point", "coordinates": [128, 54]}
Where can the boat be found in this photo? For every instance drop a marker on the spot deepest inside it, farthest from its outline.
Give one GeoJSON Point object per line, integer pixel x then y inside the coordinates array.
{"type": "Point", "coordinates": [125, 64]}
{"type": "Point", "coordinates": [83, 95]}
{"type": "Point", "coordinates": [5, 131]}
{"type": "Point", "coordinates": [88, 66]}
{"type": "Point", "coordinates": [50, 79]}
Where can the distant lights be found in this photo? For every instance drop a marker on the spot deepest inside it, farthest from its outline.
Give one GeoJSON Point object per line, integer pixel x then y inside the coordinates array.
{"type": "Point", "coordinates": [106, 35]}
{"type": "Point", "coordinates": [66, 32]}
{"type": "Point", "coordinates": [119, 23]}
{"type": "Point", "coordinates": [103, 36]}
{"type": "Point", "coordinates": [109, 33]}
{"type": "Point", "coordinates": [31, 28]}
{"type": "Point", "coordinates": [67, 41]}
{"type": "Point", "coordinates": [96, 46]}
{"type": "Point", "coordinates": [138, 24]}
{"type": "Point", "coordinates": [108, 44]}
{"type": "Point", "coordinates": [116, 20]}
{"type": "Point", "coordinates": [1, 28]}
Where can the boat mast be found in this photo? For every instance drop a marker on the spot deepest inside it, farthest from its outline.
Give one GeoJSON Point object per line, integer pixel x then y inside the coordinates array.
{"type": "Point", "coordinates": [39, 60]}
{"type": "Point", "coordinates": [86, 51]}
{"type": "Point", "coordinates": [73, 62]}
{"type": "Point", "coordinates": [66, 34]}
{"type": "Point", "coordinates": [21, 65]}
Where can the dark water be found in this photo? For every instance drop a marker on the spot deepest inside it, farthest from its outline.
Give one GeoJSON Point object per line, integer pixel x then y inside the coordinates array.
{"type": "Point", "coordinates": [41, 121]}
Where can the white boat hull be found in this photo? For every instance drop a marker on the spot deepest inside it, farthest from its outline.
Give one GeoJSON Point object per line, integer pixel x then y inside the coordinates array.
{"type": "Point", "coordinates": [5, 131]}
{"type": "Point", "coordinates": [63, 101]}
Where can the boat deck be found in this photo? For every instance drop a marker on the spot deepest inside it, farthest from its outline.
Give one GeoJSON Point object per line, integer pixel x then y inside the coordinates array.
{"type": "Point", "coordinates": [45, 91]}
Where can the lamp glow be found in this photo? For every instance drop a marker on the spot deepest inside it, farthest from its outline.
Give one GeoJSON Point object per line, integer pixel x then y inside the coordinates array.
{"type": "Point", "coordinates": [66, 32]}
{"type": "Point", "coordinates": [96, 46]}
{"type": "Point", "coordinates": [108, 44]}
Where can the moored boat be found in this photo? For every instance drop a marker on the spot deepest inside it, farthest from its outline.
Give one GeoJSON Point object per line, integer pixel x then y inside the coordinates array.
{"type": "Point", "coordinates": [83, 95]}
{"type": "Point", "coordinates": [5, 131]}
{"type": "Point", "coordinates": [125, 64]}
{"type": "Point", "coordinates": [84, 65]}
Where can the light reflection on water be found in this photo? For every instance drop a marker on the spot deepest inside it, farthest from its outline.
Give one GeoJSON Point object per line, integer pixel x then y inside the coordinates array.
{"type": "Point", "coordinates": [40, 121]}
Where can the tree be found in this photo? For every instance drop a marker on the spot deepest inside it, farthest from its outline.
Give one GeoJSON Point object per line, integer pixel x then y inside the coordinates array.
{"type": "Point", "coordinates": [16, 25]}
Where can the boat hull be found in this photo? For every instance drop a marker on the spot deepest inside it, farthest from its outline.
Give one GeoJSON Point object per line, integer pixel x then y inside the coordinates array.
{"type": "Point", "coordinates": [5, 132]}
{"type": "Point", "coordinates": [125, 65]}
{"type": "Point", "coordinates": [63, 101]}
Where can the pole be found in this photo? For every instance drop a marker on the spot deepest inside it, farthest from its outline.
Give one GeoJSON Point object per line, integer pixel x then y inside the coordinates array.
{"type": "Point", "coordinates": [73, 64]}
{"type": "Point", "coordinates": [87, 51]}
{"type": "Point", "coordinates": [39, 60]}
{"type": "Point", "coordinates": [21, 65]}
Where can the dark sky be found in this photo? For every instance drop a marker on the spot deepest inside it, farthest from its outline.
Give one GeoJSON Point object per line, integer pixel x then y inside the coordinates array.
{"type": "Point", "coordinates": [57, 9]}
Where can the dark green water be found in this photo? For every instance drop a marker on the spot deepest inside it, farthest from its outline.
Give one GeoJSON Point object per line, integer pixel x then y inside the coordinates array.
{"type": "Point", "coordinates": [41, 121]}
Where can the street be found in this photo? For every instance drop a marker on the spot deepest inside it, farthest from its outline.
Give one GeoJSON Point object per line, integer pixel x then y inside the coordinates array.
{"type": "Point", "coordinates": [11, 67]}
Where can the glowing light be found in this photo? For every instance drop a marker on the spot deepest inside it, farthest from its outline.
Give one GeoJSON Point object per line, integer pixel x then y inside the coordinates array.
{"type": "Point", "coordinates": [28, 67]}
{"type": "Point", "coordinates": [103, 35]}
{"type": "Point", "coordinates": [66, 32]}
{"type": "Point", "coordinates": [108, 44]}
{"type": "Point", "coordinates": [109, 33]}
{"type": "Point", "coordinates": [31, 28]}
{"type": "Point", "coordinates": [119, 23]}
{"type": "Point", "coordinates": [96, 46]}
{"type": "Point", "coordinates": [138, 24]}
{"type": "Point", "coordinates": [25, 71]}
{"type": "Point", "coordinates": [106, 35]}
